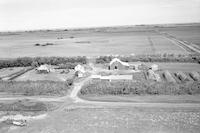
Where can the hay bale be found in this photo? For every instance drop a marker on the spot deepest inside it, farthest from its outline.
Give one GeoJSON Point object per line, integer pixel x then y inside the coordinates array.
{"type": "Point", "coordinates": [182, 76]}
{"type": "Point", "coordinates": [195, 75]}
{"type": "Point", "coordinates": [168, 77]}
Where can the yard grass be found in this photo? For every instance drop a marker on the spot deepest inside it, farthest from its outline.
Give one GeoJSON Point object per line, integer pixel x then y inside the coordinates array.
{"type": "Point", "coordinates": [174, 66]}
{"type": "Point", "coordinates": [56, 75]}
{"type": "Point", "coordinates": [8, 71]}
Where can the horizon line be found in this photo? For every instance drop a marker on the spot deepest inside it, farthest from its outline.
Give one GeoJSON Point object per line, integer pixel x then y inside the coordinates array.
{"type": "Point", "coordinates": [98, 27]}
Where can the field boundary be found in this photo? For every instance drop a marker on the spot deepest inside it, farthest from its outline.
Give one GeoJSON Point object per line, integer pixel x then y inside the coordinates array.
{"type": "Point", "coordinates": [181, 43]}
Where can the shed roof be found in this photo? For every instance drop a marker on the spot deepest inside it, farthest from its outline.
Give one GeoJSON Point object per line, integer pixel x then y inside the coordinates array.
{"type": "Point", "coordinates": [79, 68]}
{"type": "Point", "coordinates": [43, 67]}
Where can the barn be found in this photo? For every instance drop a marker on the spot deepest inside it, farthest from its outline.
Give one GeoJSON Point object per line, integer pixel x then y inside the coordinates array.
{"type": "Point", "coordinates": [79, 70]}
{"type": "Point", "coordinates": [117, 64]}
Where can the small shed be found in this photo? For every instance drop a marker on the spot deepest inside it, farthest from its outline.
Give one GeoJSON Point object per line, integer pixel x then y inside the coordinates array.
{"type": "Point", "coordinates": [154, 67]}
{"type": "Point", "coordinates": [117, 64]}
{"type": "Point", "coordinates": [79, 68]}
{"type": "Point", "coordinates": [43, 69]}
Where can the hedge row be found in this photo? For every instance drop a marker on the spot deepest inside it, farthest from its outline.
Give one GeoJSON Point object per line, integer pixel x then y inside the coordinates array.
{"type": "Point", "coordinates": [28, 61]}
{"type": "Point", "coordinates": [139, 88]}
{"type": "Point", "coordinates": [153, 58]}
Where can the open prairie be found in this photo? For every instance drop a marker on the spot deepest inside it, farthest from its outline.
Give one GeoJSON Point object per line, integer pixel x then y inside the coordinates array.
{"type": "Point", "coordinates": [97, 41]}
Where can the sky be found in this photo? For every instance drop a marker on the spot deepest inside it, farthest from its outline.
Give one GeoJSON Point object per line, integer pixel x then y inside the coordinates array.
{"type": "Point", "coordinates": [53, 14]}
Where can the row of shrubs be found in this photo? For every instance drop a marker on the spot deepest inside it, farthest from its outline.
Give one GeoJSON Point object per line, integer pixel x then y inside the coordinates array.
{"type": "Point", "coordinates": [153, 58]}
{"type": "Point", "coordinates": [31, 88]}
{"type": "Point", "coordinates": [139, 88]}
{"type": "Point", "coordinates": [36, 61]}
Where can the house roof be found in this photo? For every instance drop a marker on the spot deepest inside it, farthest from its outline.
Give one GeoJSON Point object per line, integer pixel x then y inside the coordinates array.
{"type": "Point", "coordinates": [43, 67]}
{"type": "Point", "coordinates": [79, 68]}
{"type": "Point", "coordinates": [118, 60]}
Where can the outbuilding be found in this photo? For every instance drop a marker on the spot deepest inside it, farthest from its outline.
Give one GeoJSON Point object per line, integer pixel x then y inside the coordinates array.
{"type": "Point", "coordinates": [43, 69]}
{"type": "Point", "coordinates": [154, 67]}
{"type": "Point", "coordinates": [117, 64]}
{"type": "Point", "coordinates": [80, 70]}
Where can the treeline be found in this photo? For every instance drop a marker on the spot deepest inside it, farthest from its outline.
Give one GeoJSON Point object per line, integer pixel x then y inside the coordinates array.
{"type": "Point", "coordinates": [36, 61]}
{"type": "Point", "coordinates": [140, 88]}
{"type": "Point", "coordinates": [194, 58]}
{"type": "Point", "coordinates": [32, 88]}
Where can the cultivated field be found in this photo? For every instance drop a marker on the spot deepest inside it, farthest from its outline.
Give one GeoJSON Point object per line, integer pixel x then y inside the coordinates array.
{"type": "Point", "coordinates": [190, 34]}
{"type": "Point", "coordinates": [95, 42]}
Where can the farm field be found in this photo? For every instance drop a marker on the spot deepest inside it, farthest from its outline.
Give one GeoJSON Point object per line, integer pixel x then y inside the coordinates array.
{"type": "Point", "coordinates": [95, 42]}
{"type": "Point", "coordinates": [117, 119]}
{"type": "Point", "coordinates": [190, 34]}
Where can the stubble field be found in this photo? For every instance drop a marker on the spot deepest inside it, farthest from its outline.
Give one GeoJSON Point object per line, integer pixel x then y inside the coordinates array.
{"type": "Point", "coordinates": [95, 42]}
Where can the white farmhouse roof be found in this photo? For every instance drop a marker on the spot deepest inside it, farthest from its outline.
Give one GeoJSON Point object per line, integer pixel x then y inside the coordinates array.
{"type": "Point", "coordinates": [79, 68]}
{"type": "Point", "coordinates": [118, 60]}
{"type": "Point", "coordinates": [43, 67]}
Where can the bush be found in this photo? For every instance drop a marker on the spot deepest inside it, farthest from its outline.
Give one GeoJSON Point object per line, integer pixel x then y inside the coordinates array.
{"type": "Point", "coordinates": [67, 66]}
{"type": "Point", "coordinates": [139, 88]}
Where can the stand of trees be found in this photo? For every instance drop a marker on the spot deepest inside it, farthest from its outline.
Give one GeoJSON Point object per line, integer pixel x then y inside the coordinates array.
{"type": "Point", "coordinates": [153, 58]}
{"type": "Point", "coordinates": [36, 61]}
{"type": "Point", "coordinates": [140, 88]}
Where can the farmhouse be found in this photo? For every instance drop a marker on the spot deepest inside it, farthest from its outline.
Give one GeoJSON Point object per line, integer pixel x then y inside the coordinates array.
{"type": "Point", "coordinates": [43, 69]}
{"type": "Point", "coordinates": [117, 64]}
{"type": "Point", "coordinates": [79, 70]}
